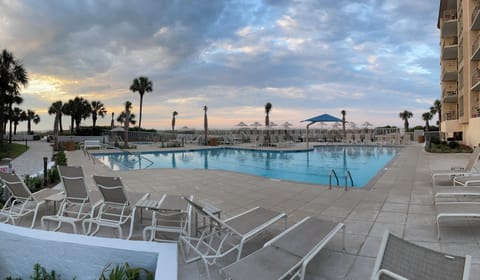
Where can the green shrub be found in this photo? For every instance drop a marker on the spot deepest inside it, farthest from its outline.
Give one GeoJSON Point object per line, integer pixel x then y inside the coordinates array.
{"type": "Point", "coordinates": [121, 272]}
{"type": "Point", "coordinates": [453, 145]}
{"type": "Point", "coordinates": [33, 183]}
{"type": "Point", "coordinates": [40, 273]}
{"type": "Point", "coordinates": [61, 158]}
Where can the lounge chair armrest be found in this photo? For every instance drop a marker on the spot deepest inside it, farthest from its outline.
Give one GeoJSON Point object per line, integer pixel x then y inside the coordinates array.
{"type": "Point", "coordinates": [389, 273]}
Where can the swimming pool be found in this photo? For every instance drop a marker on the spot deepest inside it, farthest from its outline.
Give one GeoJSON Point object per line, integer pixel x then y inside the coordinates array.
{"type": "Point", "coordinates": [363, 162]}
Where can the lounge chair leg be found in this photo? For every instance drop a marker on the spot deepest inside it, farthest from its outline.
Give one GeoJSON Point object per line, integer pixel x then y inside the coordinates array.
{"type": "Point", "coordinates": [343, 238]}
{"type": "Point", "coordinates": [438, 228]}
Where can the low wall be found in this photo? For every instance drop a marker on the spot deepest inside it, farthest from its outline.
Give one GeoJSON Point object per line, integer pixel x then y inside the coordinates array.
{"type": "Point", "coordinates": [78, 139]}
{"type": "Point", "coordinates": [79, 256]}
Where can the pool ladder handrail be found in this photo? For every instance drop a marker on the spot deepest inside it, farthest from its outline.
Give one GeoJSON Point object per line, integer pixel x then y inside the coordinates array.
{"type": "Point", "coordinates": [139, 154]}
{"type": "Point", "coordinates": [347, 176]}
{"type": "Point", "coordinates": [330, 179]}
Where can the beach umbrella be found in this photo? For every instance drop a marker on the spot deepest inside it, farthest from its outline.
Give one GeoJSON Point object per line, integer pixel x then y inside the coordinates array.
{"type": "Point", "coordinates": [242, 124]}
{"type": "Point", "coordinates": [273, 124]}
{"type": "Point", "coordinates": [256, 124]}
{"type": "Point", "coordinates": [366, 124]}
{"type": "Point", "coordinates": [286, 124]}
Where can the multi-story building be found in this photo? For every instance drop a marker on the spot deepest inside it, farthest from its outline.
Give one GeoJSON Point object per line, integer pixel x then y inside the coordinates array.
{"type": "Point", "coordinates": [459, 24]}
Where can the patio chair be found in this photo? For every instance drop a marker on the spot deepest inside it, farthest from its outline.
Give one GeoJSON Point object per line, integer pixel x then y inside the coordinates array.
{"type": "Point", "coordinates": [287, 255]}
{"type": "Point", "coordinates": [223, 237]}
{"type": "Point", "coordinates": [117, 207]}
{"type": "Point", "coordinates": [22, 201]}
{"type": "Point", "coordinates": [456, 171]}
{"type": "Point", "coordinates": [448, 192]}
{"type": "Point", "coordinates": [172, 215]}
{"type": "Point", "coordinates": [462, 210]}
{"type": "Point", "coordinates": [400, 259]}
{"type": "Point", "coordinates": [78, 203]}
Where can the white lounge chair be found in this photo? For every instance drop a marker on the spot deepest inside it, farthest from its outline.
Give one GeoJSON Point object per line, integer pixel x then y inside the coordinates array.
{"type": "Point", "coordinates": [456, 171]}
{"type": "Point", "coordinates": [117, 208]}
{"type": "Point", "coordinates": [226, 236]}
{"type": "Point", "coordinates": [78, 203]}
{"type": "Point", "coordinates": [22, 201]}
{"type": "Point", "coordinates": [287, 255]}
{"type": "Point", "coordinates": [171, 215]}
{"type": "Point", "coordinates": [463, 210]}
{"type": "Point", "coordinates": [402, 260]}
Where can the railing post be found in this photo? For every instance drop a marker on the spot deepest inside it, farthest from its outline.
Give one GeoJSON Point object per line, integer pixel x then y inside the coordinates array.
{"type": "Point", "coordinates": [45, 171]}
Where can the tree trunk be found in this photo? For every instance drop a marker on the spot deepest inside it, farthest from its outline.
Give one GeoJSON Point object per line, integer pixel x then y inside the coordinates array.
{"type": "Point", "coordinates": [94, 119]}
{"type": "Point", "coordinates": [60, 123]}
{"type": "Point", "coordinates": [29, 126]}
{"type": "Point", "coordinates": [55, 132]}
{"type": "Point", "coordinates": [10, 132]}
{"type": "Point", "coordinates": [125, 129]}
{"type": "Point", "coordinates": [71, 124]}
{"type": "Point", "coordinates": [140, 115]}
{"type": "Point", "coordinates": [15, 129]}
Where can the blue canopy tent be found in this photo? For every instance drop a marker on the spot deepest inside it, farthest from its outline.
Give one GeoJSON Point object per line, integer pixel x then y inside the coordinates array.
{"type": "Point", "coordinates": [320, 118]}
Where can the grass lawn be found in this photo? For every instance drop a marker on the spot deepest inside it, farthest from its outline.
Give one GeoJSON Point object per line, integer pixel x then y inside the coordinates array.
{"type": "Point", "coordinates": [12, 150]}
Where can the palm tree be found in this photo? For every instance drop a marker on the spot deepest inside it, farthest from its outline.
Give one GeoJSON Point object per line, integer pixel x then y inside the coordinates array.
{"type": "Point", "coordinates": [30, 116]}
{"type": "Point", "coordinates": [437, 108]}
{"type": "Point", "coordinates": [427, 116]}
{"type": "Point", "coordinates": [112, 123]}
{"type": "Point", "coordinates": [405, 115]}
{"type": "Point", "coordinates": [174, 114]}
{"type": "Point", "coordinates": [142, 85]}
{"type": "Point", "coordinates": [67, 110]}
{"type": "Point", "coordinates": [16, 117]}
{"type": "Point", "coordinates": [12, 77]}
{"type": "Point", "coordinates": [344, 113]}
{"type": "Point", "coordinates": [13, 98]}
{"type": "Point", "coordinates": [80, 109]}
{"type": "Point", "coordinates": [98, 109]}
{"type": "Point", "coordinates": [57, 108]}
{"type": "Point", "coordinates": [268, 108]}
{"type": "Point", "coordinates": [126, 118]}
{"type": "Point", "coordinates": [205, 123]}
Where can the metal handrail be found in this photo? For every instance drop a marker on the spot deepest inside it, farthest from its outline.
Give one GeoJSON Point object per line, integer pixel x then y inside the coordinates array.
{"type": "Point", "coordinates": [348, 175]}
{"type": "Point", "coordinates": [330, 179]}
{"type": "Point", "coordinates": [125, 151]}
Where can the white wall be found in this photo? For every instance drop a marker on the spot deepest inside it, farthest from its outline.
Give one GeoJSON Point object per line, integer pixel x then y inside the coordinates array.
{"type": "Point", "coordinates": [83, 257]}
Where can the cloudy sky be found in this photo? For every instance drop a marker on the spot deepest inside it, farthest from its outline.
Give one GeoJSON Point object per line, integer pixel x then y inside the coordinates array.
{"type": "Point", "coordinates": [372, 58]}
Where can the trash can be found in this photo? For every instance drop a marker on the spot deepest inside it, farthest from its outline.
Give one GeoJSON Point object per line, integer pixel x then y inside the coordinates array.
{"type": "Point", "coordinates": [421, 138]}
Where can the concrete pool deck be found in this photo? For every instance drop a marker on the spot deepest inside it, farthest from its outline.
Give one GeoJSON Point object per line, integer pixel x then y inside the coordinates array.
{"type": "Point", "coordinates": [400, 200]}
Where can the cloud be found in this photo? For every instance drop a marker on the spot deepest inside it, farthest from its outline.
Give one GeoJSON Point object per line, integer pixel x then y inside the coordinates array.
{"type": "Point", "coordinates": [306, 57]}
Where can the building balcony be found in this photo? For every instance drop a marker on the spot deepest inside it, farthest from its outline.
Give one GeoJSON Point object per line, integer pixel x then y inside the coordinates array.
{"type": "Point", "coordinates": [476, 17]}
{"type": "Point", "coordinates": [449, 23]}
{"type": "Point", "coordinates": [449, 71]}
{"type": "Point", "coordinates": [476, 49]}
{"type": "Point", "coordinates": [450, 116]}
{"type": "Point", "coordinates": [449, 96]}
{"type": "Point", "coordinates": [450, 48]}
{"type": "Point", "coordinates": [476, 80]}
{"type": "Point", "coordinates": [475, 112]}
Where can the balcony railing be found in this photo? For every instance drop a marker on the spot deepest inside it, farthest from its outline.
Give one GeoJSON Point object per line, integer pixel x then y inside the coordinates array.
{"type": "Point", "coordinates": [449, 70]}
{"type": "Point", "coordinates": [476, 79]}
{"type": "Point", "coordinates": [475, 49]}
{"type": "Point", "coordinates": [450, 115]}
{"type": "Point", "coordinates": [449, 95]}
{"type": "Point", "coordinates": [450, 14]}
{"type": "Point", "coordinates": [475, 111]}
{"type": "Point", "coordinates": [475, 16]}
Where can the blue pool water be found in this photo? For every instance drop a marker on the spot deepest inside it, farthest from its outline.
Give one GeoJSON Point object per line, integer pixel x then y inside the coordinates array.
{"type": "Point", "coordinates": [363, 162]}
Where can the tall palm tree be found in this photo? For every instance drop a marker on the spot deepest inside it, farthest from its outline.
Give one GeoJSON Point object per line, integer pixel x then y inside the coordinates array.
{"type": "Point", "coordinates": [98, 109]}
{"type": "Point", "coordinates": [437, 109]}
{"type": "Point", "coordinates": [30, 116]}
{"type": "Point", "coordinates": [344, 113]}
{"type": "Point", "coordinates": [268, 108]}
{"type": "Point", "coordinates": [142, 85]}
{"type": "Point", "coordinates": [174, 114]}
{"type": "Point", "coordinates": [427, 116]}
{"type": "Point", "coordinates": [16, 117]}
{"type": "Point", "coordinates": [12, 77]}
{"type": "Point", "coordinates": [57, 109]}
{"type": "Point", "coordinates": [12, 98]}
{"type": "Point", "coordinates": [80, 109]}
{"type": "Point", "coordinates": [405, 115]}
{"type": "Point", "coordinates": [112, 123]}
{"type": "Point", "coordinates": [205, 123]}
{"type": "Point", "coordinates": [67, 110]}
{"type": "Point", "coordinates": [126, 118]}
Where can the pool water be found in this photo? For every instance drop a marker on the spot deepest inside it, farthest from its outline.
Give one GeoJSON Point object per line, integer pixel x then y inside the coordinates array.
{"type": "Point", "coordinates": [315, 166]}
